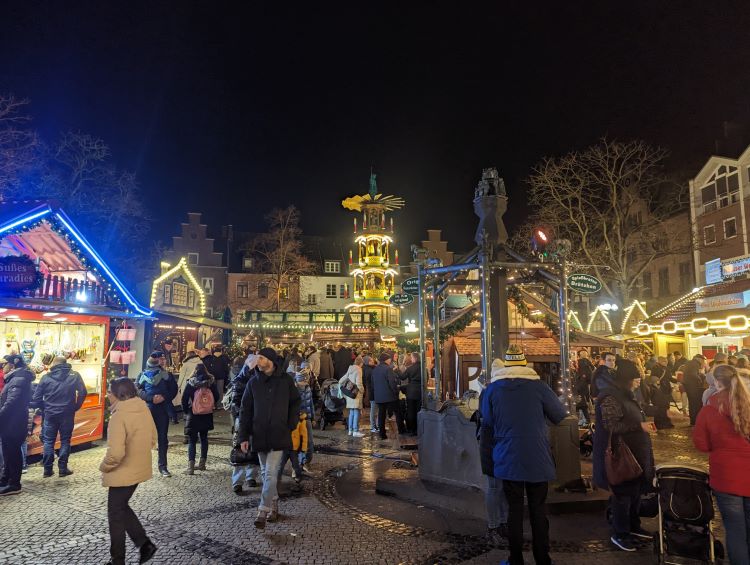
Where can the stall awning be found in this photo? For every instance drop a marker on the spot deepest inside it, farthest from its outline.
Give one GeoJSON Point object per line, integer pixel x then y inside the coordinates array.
{"type": "Point", "coordinates": [198, 320]}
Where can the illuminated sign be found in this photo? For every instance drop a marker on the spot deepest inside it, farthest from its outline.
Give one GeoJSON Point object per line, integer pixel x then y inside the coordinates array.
{"type": "Point", "coordinates": [713, 271]}
{"type": "Point", "coordinates": [411, 286]}
{"type": "Point", "coordinates": [723, 302]}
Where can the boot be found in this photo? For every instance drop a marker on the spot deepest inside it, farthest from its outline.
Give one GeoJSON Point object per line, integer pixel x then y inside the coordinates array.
{"type": "Point", "coordinates": [260, 520]}
{"type": "Point", "coordinates": [274, 514]}
{"type": "Point", "coordinates": [201, 464]}
{"type": "Point", "coordinates": [191, 468]}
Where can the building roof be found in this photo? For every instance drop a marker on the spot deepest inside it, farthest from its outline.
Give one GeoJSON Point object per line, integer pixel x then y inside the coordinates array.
{"type": "Point", "coordinates": [684, 308]}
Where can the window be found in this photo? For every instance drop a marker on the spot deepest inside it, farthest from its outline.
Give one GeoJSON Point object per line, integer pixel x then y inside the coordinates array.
{"type": "Point", "coordinates": [193, 258]}
{"type": "Point", "coordinates": [332, 266]}
{"type": "Point", "coordinates": [664, 281]}
{"type": "Point", "coordinates": [208, 285]}
{"type": "Point", "coordinates": [686, 278]}
{"type": "Point", "coordinates": [730, 228]}
{"type": "Point", "coordinates": [646, 288]}
{"type": "Point", "coordinates": [722, 189]}
{"type": "Point", "coordinates": [312, 299]}
{"type": "Point", "coordinates": [209, 312]}
{"type": "Point", "coordinates": [167, 294]}
{"type": "Point", "coordinates": [342, 291]}
{"type": "Point", "coordinates": [241, 290]}
{"type": "Point", "coordinates": [191, 298]}
{"type": "Point", "coordinates": [330, 291]}
{"type": "Point", "coordinates": [247, 263]}
{"type": "Point", "coordinates": [263, 290]}
{"type": "Point", "coordinates": [284, 292]}
{"type": "Point", "coordinates": [709, 235]}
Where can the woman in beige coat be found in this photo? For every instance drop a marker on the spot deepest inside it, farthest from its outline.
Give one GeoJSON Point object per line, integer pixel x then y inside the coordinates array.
{"type": "Point", "coordinates": [354, 374]}
{"type": "Point", "coordinates": [131, 435]}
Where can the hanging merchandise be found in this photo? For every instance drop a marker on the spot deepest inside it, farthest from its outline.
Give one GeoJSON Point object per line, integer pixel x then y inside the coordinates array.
{"type": "Point", "coordinates": [27, 350]}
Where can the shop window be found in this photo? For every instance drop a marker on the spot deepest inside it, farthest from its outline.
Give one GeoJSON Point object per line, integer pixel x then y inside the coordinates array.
{"type": "Point", "coordinates": [208, 285]}
{"type": "Point", "coordinates": [730, 228]}
{"type": "Point", "coordinates": [646, 288]}
{"type": "Point", "coordinates": [263, 290]}
{"type": "Point", "coordinates": [664, 281]}
{"type": "Point", "coordinates": [284, 292]}
{"type": "Point", "coordinates": [330, 291]}
{"type": "Point", "coordinates": [312, 299]}
{"type": "Point", "coordinates": [332, 266]}
{"type": "Point", "coordinates": [709, 235]}
{"type": "Point", "coordinates": [241, 290]}
{"type": "Point", "coordinates": [686, 276]}
{"type": "Point", "coordinates": [193, 258]}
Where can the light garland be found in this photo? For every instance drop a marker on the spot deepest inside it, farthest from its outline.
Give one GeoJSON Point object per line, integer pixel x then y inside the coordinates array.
{"type": "Point", "coordinates": [629, 311]}
{"type": "Point", "coordinates": [737, 322]}
{"type": "Point", "coordinates": [183, 266]}
{"type": "Point", "coordinates": [592, 317]}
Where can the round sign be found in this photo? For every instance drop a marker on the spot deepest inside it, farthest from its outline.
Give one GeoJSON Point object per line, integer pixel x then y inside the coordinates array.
{"type": "Point", "coordinates": [401, 299]}
{"type": "Point", "coordinates": [583, 283]}
{"type": "Point", "coordinates": [411, 286]}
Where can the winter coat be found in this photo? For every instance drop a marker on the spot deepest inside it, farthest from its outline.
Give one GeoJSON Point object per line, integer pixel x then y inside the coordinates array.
{"type": "Point", "coordinates": [299, 434]}
{"type": "Point", "coordinates": [195, 423]}
{"type": "Point", "coordinates": [326, 367]}
{"type": "Point", "coordinates": [486, 443]}
{"type": "Point", "coordinates": [602, 372]}
{"type": "Point", "coordinates": [186, 371]}
{"type": "Point", "coordinates": [238, 389]}
{"type": "Point", "coordinates": [367, 380]}
{"type": "Point", "coordinates": [156, 381]}
{"type": "Point", "coordinates": [618, 413]}
{"type": "Point", "coordinates": [385, 384]}
{"type": "Point", "coordinates": [270, 411]}
{"type": "Point", "coordinates": [131, 435]}
{"type": "Point", "coordinates": [218, 366]}
{"type": "Point", "coordinates": [314, 361]}
{"type": "Point", "coordinates": [692, 380]}
{"type": "Point", "coordinates": [354, 374]}
{"type": "Point", "coordinates": [515, 409]}
{"type": "Point", "coordinates": [342, 359]}
{"type": "Point", "coordinates": [412, 381]}
{"type": "Point", "coordinates": [14, 403]}
{"type": "Point", "coordinates": [307, 394]}
{"type": "Point", "coordinates": [61, 392]}
{"type": "Point", "coordinates": [728, 452]}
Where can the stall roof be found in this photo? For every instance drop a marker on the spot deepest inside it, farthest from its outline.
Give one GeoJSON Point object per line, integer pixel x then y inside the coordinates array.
{"type": "Point", "coordinates": [684, 308]}
{"type": "Point", "coordinates": [18, 218]}
{"type": "Point", "coordinates": [199, 320]}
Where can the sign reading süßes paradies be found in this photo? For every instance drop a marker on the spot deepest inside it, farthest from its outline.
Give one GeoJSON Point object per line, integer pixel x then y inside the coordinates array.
{"type": "Point", "coordinates": [18, 274]}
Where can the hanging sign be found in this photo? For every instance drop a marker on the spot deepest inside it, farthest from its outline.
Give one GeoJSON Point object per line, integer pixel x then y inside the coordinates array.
{"type": "Point", "coordinates": [401, 299]}
{"type": "Point", "coordinates": [411, 286]}
{"type": "Point", "coordinates": [583, 283]}
{"type": "Point", "coordinates": [713, 271]}
{"type": "Point", "coordinates": [18, 274]}
{"type": "Point", "coordinates": [734, 301]}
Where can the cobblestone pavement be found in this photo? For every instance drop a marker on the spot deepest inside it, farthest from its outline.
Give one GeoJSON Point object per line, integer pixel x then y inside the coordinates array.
{"type": "Point", "coordinates": [198, 520]}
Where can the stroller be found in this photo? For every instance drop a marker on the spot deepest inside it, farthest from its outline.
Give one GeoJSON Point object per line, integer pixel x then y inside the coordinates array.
{"type": "Point", "coordinates": [332, 410]}
{"type": "Point", "coordinates": [685, 515]}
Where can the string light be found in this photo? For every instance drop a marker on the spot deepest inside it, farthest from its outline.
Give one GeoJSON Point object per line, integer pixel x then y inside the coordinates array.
{"type": "Point", "coordinates": [629, 311]}
{"type": "Point", "coordinates": [183, 266]}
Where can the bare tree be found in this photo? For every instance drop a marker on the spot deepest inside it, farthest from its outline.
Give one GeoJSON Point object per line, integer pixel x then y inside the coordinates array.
{"type": "Point", "coordinates": [18, 143]}
{"type": "Point", "coordinates": [612, 201]}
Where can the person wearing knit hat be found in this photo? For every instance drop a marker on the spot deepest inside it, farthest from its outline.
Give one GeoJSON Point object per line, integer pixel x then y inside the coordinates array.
{"type": "Point", "coordinates": [515, 408]}
{"type": "Point", "coordinates": [269, 412]}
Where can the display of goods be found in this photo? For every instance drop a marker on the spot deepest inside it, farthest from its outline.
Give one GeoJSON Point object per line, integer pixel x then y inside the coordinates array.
{"type": "Point", "coordinates": [127, 357]}
{"type": "Point", "coordinates": [115, 356]}
{"type": "Point", "coordinates": [126, 334]}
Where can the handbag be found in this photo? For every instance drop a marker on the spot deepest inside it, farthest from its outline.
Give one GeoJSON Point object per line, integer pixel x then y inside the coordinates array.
{"type": "Point", "coordinates": [620, 463]}
{"type": "Point", "coordinates": [349, 389]}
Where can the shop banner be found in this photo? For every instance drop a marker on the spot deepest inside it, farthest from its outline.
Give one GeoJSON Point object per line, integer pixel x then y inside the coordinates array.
{"type": "Point", "coordinates": [732, 301]}
{"type": "Point", "coordinates": [18, 274]}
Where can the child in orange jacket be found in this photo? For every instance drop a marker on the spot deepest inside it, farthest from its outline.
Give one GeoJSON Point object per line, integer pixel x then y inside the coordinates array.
{"type": "Point", "coordinates": [299, 445]}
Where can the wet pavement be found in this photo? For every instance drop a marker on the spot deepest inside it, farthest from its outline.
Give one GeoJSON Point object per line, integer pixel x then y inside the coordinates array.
{"type": "Point", "coordinates": [337, 518]}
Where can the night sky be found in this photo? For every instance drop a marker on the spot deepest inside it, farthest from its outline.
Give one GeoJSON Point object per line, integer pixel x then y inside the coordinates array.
{"type": "Point", "coordinates": [231, 109]}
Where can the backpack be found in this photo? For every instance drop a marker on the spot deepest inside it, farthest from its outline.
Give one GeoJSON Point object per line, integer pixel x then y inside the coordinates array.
{"type": "Point", "coordinates": [203, 401]}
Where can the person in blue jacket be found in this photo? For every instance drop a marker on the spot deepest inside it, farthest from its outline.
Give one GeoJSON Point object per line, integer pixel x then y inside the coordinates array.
{"type": "Point", "coordinates": [515, 409]}
{"type": "Point", "coordinates": [158, 388]}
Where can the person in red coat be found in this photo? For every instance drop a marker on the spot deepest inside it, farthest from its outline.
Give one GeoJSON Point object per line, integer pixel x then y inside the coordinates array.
{"type": "Point", "coordinates": [723, 430]}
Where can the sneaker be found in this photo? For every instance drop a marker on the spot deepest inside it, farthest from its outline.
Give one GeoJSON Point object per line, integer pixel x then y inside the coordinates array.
{"type": "Point", "coordinates": [623, 543]}
{"type": "Point", "coordinates": [358, 434]}
{"type": "Point", "coordinates": [65, 472]}
{"type": "Point", "coordinates": [252, 483]}
{"type": "Point", "coordinates": [8, 490]}
{"type": "Point", "coordinates": [24, 470]}
{"type": "Point", "coordinates": [147, 551]}
{"type": "Point", "coordinates": [47, 473]}
{"type": "Point", "coordinates": [260, 519]}
{"type": "Point", "coordinates": [642, 534]}
{"type": "Point", "coordinates": [294, 474]}
{"type": "Point", "coordinates": [374, 430]}
{"type": "Point", "coordinates": [237, 489]}
{"type": "Point", "coordinates": [348, 432]}
{"type": "Point", "coordinates": [165, 472]}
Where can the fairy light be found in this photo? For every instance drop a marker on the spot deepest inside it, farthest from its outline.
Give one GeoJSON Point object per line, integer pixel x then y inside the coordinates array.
{"type": "Point", "coordinates": [183, 266]}
{"type": "Point", "coordinates": [599, 310]}
{"type": "Point", "coordinates": [636, 304]}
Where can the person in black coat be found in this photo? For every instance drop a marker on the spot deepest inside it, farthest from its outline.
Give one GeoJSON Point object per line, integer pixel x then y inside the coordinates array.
{"type": "Point", "coordinates": [198, 425]}
{"type": "Point", "coordinates": [662, 375]}
{"type": "Point", "coordinates": [694, 384]}
{"type": "Point", "coordinates": [368, 365]}
{"type": "Point", "coordinates": [385, 383]}
{"type": "Point", "coordinates": [342, 360]}
{"type": "Point", "coordinates": [269, 412]}
{"type": "Point", "coordinates": [412, 387]}
{"type": "Point", "coordinates": [14, 415]}
{"type": "Point", "coordinates": [603, 372]}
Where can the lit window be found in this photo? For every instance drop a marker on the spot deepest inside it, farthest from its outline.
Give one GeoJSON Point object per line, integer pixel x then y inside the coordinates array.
{"type": "Point", "coordinates": [730, 228]}
{"type": "Point", "coordinates": [247, 263]}
{"type": "Point", "coordinates": [263, 290]}
{"type": "Point", "coordinates": [193, 258]}
{"type": "Point", "coordinates": [284, 292]}
{"type": "Point", "coordinates": [208, 285]}
{"type": "Point", "coordinates": [330, 291]}
{"type": "Point", "coordinates": [709, 235]}
{"type": "Point", "coordinates": [241, 290]}
{"type": "Point", "coordinates": [333, 266]}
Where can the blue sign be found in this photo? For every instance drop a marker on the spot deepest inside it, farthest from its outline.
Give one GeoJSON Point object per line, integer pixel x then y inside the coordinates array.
{"type": "Point", "coordinates": [713, 271]}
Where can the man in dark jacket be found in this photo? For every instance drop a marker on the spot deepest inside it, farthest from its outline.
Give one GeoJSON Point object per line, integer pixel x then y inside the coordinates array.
{"type": "Point", "coordinates": [14, 418]}
{"type": "Point", "coordinates": [515, 409]}
{"type": "Point", "coordinates": [385, 384]}
{"type": "Point", "coordinates": [269, 413]}
{"type": "Point", "coordinates": [60, 394]}
{"type": "Point", "coordinates": [662, 375]}
{"type": "Point", "coordinates": [218, 365]}
{"type": "Point", "coordinates": [694, 385]}
{"type": "Point", "coordinates": [342, 360]}
{"type": "Point", "coordinates": [368, 365]}
{"type": "Point", "coordinates": [604, 371]}
{"type": "Point", "coordinates": [412, 387]}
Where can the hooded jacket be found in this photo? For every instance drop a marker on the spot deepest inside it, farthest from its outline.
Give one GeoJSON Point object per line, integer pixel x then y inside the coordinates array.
{"type": "Point", "coordinates": [61, 392]}
{"type": "Point", "coordinates": [195, 423]}
{"type": "Point", "coordinates": [131, 435]}
{"type": "Point", "coordinates": [14, 403]}
{"type": "Point", "coordinates": [307, 386]}
{"type": "Point", "coordinates": [354, 374]}
{"type": "Point", "coordinates": [515, 409]}
{"type": "Point", "coordinates": [270, 411]}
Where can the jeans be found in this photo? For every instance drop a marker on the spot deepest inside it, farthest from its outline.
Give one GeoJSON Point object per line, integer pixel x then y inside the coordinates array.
{"type": "Point", "coordinates": [242, 473]}
{"type": "Point", "coordinates": [735, 511]}
{"type": "Point", "coordinates": [161, 421]}
{"type": "Point", "coordinates": [270, 463]}
{"type": "Point", "coordinates": [353, 419]}
{"type": "Point", "coordinates": [497, 504]}
{"type": "Point", "coordinates": [13, 464]}
{"type": "Point", "coordinates": [293, 456]}
{"type": "Point", "coordinates": [122, 519]}
{"type": "Point", "coordinates": [192, 439]}
{"type": "Point", "coordinates": [625, 513]}
{"type": "Point", "coordinates": [536, 494]}
{"type": "Point", "coordinates": [373, 415]}
{"type": "Point", "coordinates": [412, 409]}
{"type": "Point", "coordinates": [307, 456]}
{"type": "Point", "coordinates": [383, 409]}
{"type": "Point", "coordinates": [52, 425]}
{"type": "Point", "coordinates": [220, 388]}
{"type": "Point", "coordinates": [24, 451]}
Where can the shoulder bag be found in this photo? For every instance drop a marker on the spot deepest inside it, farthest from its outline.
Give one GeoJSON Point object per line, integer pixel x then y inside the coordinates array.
{"type": "Point", "coordinates": [620, 463]}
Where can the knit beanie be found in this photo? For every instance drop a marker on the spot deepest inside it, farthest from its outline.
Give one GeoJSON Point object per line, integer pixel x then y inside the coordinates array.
{"type": "Point", "coordinates": [152, 362]}
{"type": "Point", "coordinates": [514, 357]}
{"type": "Point", "coordinates": [384, 357]}
{"type": "Point", "coordinates": [270, 354]}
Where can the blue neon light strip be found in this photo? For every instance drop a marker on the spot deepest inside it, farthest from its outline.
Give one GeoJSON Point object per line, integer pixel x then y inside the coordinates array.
{"type": "Point", "coordinates": [25, 220]}
{"type": "Point", "coordinates": [85, 244]}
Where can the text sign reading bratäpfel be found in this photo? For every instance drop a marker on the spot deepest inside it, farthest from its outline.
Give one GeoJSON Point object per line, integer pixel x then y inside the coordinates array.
{"type": "Point", "coordinates": [17, 274]}
{"type": "Point", "coordinates": [586, 284]}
